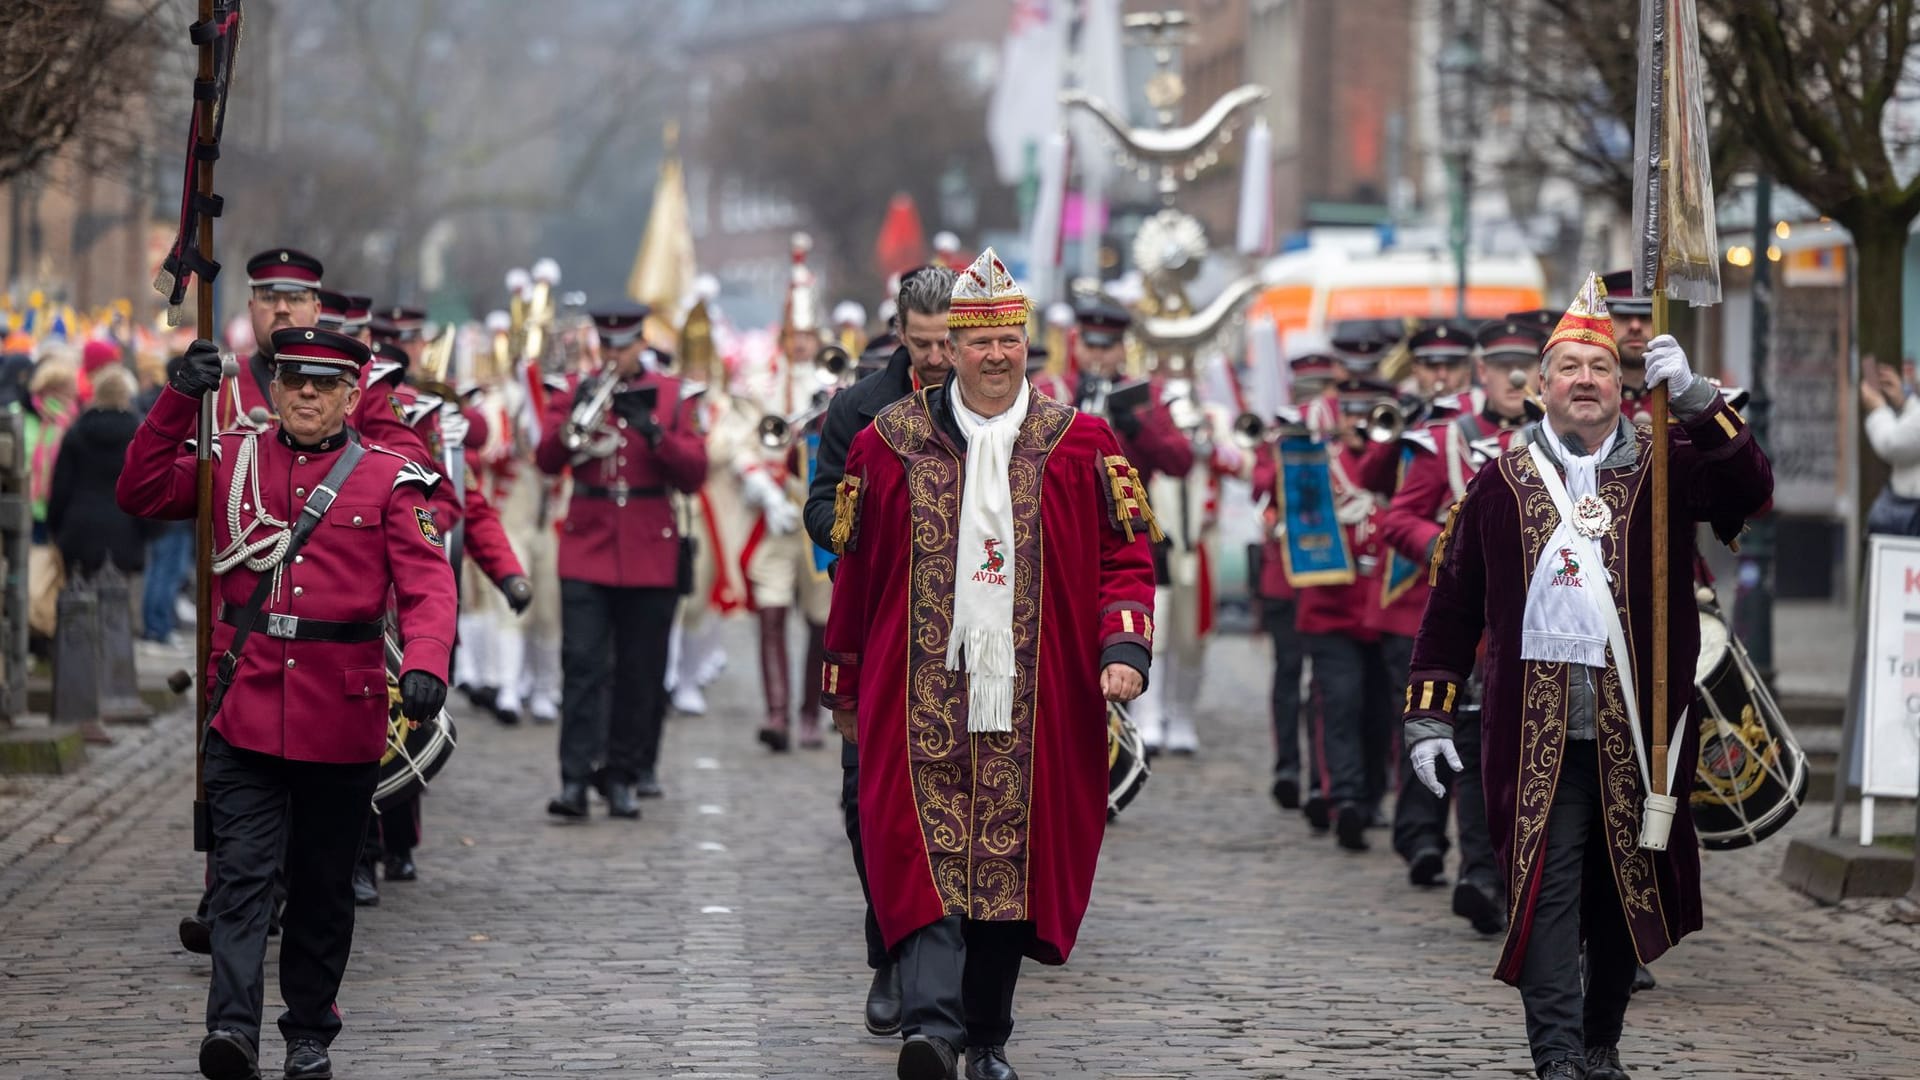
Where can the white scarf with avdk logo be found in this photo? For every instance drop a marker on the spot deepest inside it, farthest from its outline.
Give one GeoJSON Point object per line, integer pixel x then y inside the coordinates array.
{"type": "Point", "coordinates": [1564, 621]}
{"type": "Point", "coordinates": [984, 564]}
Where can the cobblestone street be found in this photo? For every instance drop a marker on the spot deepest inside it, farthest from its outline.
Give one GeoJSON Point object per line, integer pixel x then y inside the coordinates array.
{"type": "Point", "coordinates": [720, 936]}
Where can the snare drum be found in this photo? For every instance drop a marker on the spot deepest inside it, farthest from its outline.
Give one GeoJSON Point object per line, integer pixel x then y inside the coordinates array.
{"type": "Point", "coordinates": [415, 752]}
{"type": "Point", "coordinates": [1752, 775]}
{"type": "Point", "coordinates": [1127, 769]}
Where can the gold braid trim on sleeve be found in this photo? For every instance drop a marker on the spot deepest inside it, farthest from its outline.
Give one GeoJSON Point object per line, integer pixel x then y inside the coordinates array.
{"type": "Point", "coordinates": [1129, 499]}
{"type": "Point", "coordinates": [1440, 546]}
{"type": "Point", "coordinates": [846, 509]}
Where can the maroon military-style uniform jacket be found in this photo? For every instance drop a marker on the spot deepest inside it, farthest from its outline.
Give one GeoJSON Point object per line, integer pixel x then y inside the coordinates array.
{"type": "Point", "coordinates": [309, 700]}
{"type": "Point", "coordinates": [620, 528]}
{"type": "Point", "coordinates": [486, 537]}
{"type": "Point", "coordinates": [1156, 447]}
{"type": "Point", "coordinates": [1273, 583]}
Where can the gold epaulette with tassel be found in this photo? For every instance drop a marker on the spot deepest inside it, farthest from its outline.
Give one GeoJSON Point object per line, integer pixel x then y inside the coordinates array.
{"type": "Point", "coordinates": [1440, 546]}
{"type": "Point", "coordinates": [846, 509]}
{"type": "Point", "coordinates": [1127, 499]}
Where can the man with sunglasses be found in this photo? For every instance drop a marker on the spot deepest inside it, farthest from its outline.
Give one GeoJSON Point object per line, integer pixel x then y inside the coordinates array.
{"type": "Point", "coordinates": [292, 754]}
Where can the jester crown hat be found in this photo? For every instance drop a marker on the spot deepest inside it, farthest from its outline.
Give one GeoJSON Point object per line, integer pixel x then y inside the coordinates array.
{"type": "Point", "coordinates": [1587, 320]}
{"type": "Point", "coordinates": [985, 294]}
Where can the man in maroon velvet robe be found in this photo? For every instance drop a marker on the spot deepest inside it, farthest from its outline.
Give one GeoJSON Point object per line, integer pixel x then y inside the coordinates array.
{"type": "Point", "coordinates": [980, 845]}
{"type": "Point", "coordinates": [1564, 786]}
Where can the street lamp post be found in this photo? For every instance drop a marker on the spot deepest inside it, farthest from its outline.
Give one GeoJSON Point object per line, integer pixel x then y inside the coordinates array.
{"type": "Point", "coordinates": [1754, 596]}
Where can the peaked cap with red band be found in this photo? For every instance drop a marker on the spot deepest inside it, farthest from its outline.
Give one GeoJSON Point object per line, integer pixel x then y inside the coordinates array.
{"type": "Point", "coordinates": [284, 270]}
{"type": "Point", "coordinates": [310, 350]}
{"type": "Point", "coordinates": [1587, 320]}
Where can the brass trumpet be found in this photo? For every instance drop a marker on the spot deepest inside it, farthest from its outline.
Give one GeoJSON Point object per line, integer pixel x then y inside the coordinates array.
{"type": "Point", "coordinates": [1250, 431]}
{"type": "Point", "coordinates": [832, 363]}
{"type": "Point", "coordinates": [1389, 420]}
{"type": "Point", "coordinates": [776, 432]}
{"type": "Point", "coordinates": [584, 433]}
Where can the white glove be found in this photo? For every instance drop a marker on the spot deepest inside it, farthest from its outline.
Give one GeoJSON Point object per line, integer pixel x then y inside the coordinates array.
{"type": "Point", "coordinates": [1425, 753]}
{"type": "Point", "coordinates": [762, 493]}
{"type": "Point", "coordinates": [1667, 363]}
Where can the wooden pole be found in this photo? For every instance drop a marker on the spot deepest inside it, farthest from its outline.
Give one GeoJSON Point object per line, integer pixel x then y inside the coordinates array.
{"type": "Point", "coordinates": [1662, 563]}
{"type": "Point", "coordinates": [203, 465]}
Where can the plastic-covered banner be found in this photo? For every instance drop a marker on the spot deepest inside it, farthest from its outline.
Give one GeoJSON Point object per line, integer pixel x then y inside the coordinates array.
{"type": "Point", "coordinates": [1673, 209]}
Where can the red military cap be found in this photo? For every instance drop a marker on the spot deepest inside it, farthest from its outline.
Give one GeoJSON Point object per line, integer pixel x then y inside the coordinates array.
{"type": "Point", "coordinates": [1506, 341]}
{"type": "Point", "coordinates": [309, 350]}
{"type": "Point", "coordinates": [398, 322]}
{"type": "Point", "coordinates": [1541, 319]}
{"type": "Point", "coordinates": [1440, 343]}
{"type": "Point", "coordinates": [1361, 355]}
{"type": "Point", "coordinates": [1361, 395]}
{"type": "Point", "coordinates": [283, 270]}
{"type": "Point", "coordinates": [620, 326]}
{"type": "Point", "coordinates": [333, 310]}
{"type": "Point", "coordinates": [1314, 365]}
{"type": "Point", "coordinates": [359, 313]}
{"type": "Point", "coordinates": [1620, 298]}
{"type": "Point", "coordinates": [1102, 322]}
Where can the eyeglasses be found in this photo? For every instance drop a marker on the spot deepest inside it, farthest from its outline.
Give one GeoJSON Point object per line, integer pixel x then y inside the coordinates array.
{"type": "Point", "coordinates": [324, 384]}
{"type": "Point", "coordinates": [1008, 344]}
{"type": "Point", "coordinates": [269, 296]}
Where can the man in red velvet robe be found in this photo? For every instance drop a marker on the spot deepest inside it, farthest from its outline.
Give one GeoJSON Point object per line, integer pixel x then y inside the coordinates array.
{"type": "Point", "coordinates": [1565, 781]}
{"type": "Point", "coordinates": [986, 528]}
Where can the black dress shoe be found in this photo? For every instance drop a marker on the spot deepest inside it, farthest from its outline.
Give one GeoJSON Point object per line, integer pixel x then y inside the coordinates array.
{"type": "Point", "coordinates": [226, 1054]}
{"type": "Point", "coordinates": [647, 786]}
{"type": "Point", "coordinates": [1427, 867]}
{"type": "Point", "coordinates": [572, 803]}
{"type": "Point", "coordinates": [307, 1060]}
{"type": "Point", "coordinates": [989, 1063]}
{"type": "Point", "coordinates": [365, 892]}
{"type": "Point", "coordinates": [509, 717]}
{"type": "Point", "coordinates": [1316, 811]}
{"type": "Point", "coordinates": [1562, 1070]}
{"type": "Point", "coordinates": [1603, 1063]}
{"type": "Point", "coordinates": [1286, 792]}
{"type": "Point", "coordinates": [484, 698]}
{"type": "Point", "coordinates": [401, 868]}
{"type": "Point", "coordinates": [1350, 827]}
{"type": "Point", "coordinates": [620, 801]}
{"type": "Point", "coordinates": [1478, 905]}
{"type": "Point", "coordinates": [196, 936]}
{"type": "Point", "coordinates": [1643, 978]}
{"type": "Point", "coordinates": [926, 1057]}
{"type": "Point", "coordinates": [883, 1001]}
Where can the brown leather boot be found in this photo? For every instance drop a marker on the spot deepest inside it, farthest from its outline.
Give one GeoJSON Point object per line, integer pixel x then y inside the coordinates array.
{"type": "Point", "coordinates": [810, 688]}
{"type": "Point", "coordinates": [774, 676]}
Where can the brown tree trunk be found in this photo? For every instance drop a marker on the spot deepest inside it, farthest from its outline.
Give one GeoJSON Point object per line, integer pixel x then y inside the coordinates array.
{"type": "Point", "coordinates": [1880, 252]}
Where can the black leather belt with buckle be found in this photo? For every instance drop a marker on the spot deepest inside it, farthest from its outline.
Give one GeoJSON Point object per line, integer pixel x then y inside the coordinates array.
{"type": "Point", "coordinates": [295, 628]}
{"type": "Point", "coordinates": [618, 491]}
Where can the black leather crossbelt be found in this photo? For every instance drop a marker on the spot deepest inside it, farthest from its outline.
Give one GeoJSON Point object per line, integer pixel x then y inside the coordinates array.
{"type": "Point", "coordinates": [295, 628]}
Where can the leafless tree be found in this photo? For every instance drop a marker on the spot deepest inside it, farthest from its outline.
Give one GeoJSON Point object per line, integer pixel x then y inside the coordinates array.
{"type": "Point", "coordinates": [838, 131]}
{"type": "Point", "coordinates": [68, 70]}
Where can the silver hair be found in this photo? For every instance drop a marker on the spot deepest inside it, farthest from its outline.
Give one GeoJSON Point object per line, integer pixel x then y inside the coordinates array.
{"type": "Point", "coordinates": [928, 291]}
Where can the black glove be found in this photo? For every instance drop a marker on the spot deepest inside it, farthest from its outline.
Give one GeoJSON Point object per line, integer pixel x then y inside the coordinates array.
{"type": "Point", "coordinates": [1126, 422]}
{"type": "Point", "coordinates": [518, 591]}
{"type": "Point", "coordinates": [422, 694]}
{"type": "Point", "coordinates": [199, 371]}
{"type": "Point", "coordinates": [633, 407]}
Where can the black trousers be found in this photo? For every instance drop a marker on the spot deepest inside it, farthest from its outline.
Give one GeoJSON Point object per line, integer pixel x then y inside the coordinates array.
{"type": "Point", "coordinates": [1420, 817]}
{"type": "Point", "coordinates": [957, 978]}
{"type": "Point", "coordinates": [1288, 658]}
{"type": "Point", "coordinates": [318, 812]}
{"type": "Point", "coordinates": [1356, 709]}
{"type": "Point", "coordinates": [850, 809]}
{"type": "Point", "coordinates": [613, 670]}
{"type": "Point", "coordinates": [1576, 900]}
{"type": "Point", "coordinates": [400, 826]}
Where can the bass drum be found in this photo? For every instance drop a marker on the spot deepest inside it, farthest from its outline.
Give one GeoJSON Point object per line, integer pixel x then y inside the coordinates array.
{"type": "Point", "coordinates": [1127, 769]}
{"type": "Point", "coordinates": [1752, 775]}
{"type": "Point", "coordinates": [415, 752]}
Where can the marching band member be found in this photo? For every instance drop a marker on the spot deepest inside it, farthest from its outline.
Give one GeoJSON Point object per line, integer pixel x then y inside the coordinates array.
{"type": "Point", "coordinates": [1353, 707]}
{"type": "Point", "coordinates": [780, 567]}
{"type": "Point", "coordinates": [1566, 672]}
{"type": "Point", "coordinates": [1444, 457]}
{"type": "Point", "coordinates": [1142, 419]}
{"type": "Point", "coordinates": [619, 558]}
{"type": "Point", "coordinates": [283, 291]}
{"type": "Point", "coordinates": [292, 754]}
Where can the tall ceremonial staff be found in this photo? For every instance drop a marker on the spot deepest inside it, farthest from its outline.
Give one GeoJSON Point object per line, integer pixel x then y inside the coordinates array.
{"type": "Point", "coordinates": [217, 35]}
{"type": "Point", "coordinates": [1673, 215]}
